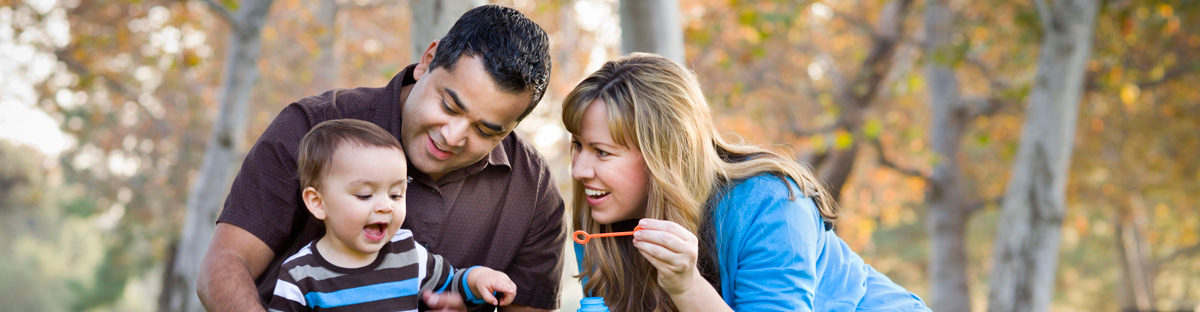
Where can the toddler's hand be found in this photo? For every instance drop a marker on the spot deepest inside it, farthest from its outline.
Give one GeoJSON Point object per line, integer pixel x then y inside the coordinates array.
{"type": "Point", "coordinates": [485, 281]}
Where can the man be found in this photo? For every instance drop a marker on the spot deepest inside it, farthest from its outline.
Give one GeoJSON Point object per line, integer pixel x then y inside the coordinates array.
{"type": "Point", "coordinates": [480, 195]}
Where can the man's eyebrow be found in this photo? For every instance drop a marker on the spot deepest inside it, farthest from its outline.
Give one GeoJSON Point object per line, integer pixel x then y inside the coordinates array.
{"type": "Point", "coordinates": [459, 103]}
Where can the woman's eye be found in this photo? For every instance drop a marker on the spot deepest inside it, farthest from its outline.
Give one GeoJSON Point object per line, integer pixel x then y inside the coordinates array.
{"type": "Point", "coordinates": [602, 153]}
{"type": "Point", "coordinates": [575, 145]}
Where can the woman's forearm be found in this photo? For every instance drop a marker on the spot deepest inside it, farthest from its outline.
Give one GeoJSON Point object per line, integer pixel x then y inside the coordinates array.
{"type": "Point", "coordinates": [700, 297]}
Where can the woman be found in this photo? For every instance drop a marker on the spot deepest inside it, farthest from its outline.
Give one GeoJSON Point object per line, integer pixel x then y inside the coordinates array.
{"type": "Point", "coordinates": [724, 226]}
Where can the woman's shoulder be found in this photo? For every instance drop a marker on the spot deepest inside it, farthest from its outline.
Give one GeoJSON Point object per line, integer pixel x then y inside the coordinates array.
{"type": "Point", "coordinates": [765, 186]}
{"type": "Point", "coordinates": [762, 183]}
{"type": "Point", "coordinates": [763, 194]}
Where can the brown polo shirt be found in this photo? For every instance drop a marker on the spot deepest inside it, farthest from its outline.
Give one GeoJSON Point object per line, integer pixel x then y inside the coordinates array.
{"type": "Point", "coordinates": [503, 212]}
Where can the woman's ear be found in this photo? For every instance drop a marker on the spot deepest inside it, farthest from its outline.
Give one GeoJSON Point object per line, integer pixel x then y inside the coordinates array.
{"type": "Point", "coordinates": [313, 200]}
{"type": "Point", "coordinates": [426, 58]}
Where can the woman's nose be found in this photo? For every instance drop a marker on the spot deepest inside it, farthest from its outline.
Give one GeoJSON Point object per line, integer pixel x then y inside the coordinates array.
{"type": "Point", "coordinates": [581, 168]}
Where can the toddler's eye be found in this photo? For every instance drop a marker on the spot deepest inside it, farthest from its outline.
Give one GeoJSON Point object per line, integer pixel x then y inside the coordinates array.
{"type": "Point", "coordinates": [363, 197]}
{"type": "Point", "coordinates": [397, 197]}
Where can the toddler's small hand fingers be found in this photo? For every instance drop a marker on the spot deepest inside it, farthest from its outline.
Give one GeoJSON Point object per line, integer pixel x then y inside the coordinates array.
{"type": "Point", "coordinates": [488, 297]}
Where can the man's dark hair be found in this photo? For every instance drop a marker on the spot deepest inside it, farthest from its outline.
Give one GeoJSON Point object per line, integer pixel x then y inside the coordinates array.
{"type": "Point", "coordinates": [515, 51]}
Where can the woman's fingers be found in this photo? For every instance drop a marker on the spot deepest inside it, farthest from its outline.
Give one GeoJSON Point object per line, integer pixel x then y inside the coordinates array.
{"type": "Point", "coordinates": [663, 258]}
{"type": "Point", "coordinates": [668, 234]}
{"type": "Point", "coordinates": [659, 264]}
{"type": "Point", "coordinates": [669, 227]}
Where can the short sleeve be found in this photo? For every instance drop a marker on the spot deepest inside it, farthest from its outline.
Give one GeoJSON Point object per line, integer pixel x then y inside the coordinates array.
{"type": "Point", "coordinates": [265, 196]}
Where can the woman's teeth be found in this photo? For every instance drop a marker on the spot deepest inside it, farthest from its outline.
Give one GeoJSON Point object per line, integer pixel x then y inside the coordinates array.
{"type": "Point", "coordinates": [595, 193]}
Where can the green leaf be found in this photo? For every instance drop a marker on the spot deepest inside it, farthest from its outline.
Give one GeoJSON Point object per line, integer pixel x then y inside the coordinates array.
{"type": "Point", "coordinates": [983, 139]}
{"type": "Point", "coordinates": [842, 140]}
{"type": "Point", "coordinates": [872, 129]}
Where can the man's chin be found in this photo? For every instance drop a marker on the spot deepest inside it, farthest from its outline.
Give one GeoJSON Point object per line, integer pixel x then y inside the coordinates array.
{"type": "Point", "coordinates": [431, 167]}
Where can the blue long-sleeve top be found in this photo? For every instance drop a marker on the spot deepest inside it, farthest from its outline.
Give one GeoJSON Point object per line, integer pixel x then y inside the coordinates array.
{"type": "Point", "coordinates": [776, 254]}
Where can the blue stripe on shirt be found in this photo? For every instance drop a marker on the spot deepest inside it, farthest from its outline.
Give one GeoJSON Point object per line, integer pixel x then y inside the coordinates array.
{"type": "Point", "coordinates": [363, 294]}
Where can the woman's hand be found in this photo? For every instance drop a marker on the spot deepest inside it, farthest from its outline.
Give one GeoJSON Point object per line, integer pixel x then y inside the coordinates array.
{"type": "Point", "coordinates": [672, 249]}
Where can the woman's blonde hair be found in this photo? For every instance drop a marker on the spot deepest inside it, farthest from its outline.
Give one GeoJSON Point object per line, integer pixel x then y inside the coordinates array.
{"type": "Point", "coordinates": [658, 106]}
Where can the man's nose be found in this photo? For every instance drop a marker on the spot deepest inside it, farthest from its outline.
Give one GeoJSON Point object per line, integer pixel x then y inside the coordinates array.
{"type": "Point", "coordinates": [455, 132]}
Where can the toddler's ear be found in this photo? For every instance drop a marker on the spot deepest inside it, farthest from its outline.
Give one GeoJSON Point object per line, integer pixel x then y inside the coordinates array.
{"type": "Point", "coordinates": [312, 200]}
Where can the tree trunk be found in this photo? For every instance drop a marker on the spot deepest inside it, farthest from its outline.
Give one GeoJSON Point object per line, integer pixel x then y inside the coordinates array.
{"type": "Point", "coordinates": [1137, 276]}
{"type": "Point", "coordinates": [835, 166]}
{"type": "Point", "coordinates": [652, 26]}
{"type": "Point", "coordinates": [211, 185]}
{"type": "Point", "coordinates": [329, 60]}
{"type": "Point", "coordinates": [432, 19]}
{"type": "Point", "coordinates": [947, 196]}
{"type": "Point", "coordinates": [1027, 238]}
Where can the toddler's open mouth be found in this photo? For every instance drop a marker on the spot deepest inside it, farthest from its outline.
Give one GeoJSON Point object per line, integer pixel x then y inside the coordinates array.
{"type": "Point", "coordinates": [375, 231]}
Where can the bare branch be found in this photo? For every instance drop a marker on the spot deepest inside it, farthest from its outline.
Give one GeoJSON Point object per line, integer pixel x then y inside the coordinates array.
{"type": "Point", "coordinates": [1187, 251]}
{"type": "Point", "coordinates": [1174, 72]}
{"type": "Point", "coordinates": [358, 5]}
{"type": "Point", "coordinates": [883, 160]}
{"type": "Point", "coordinates": [995, 82]}
{"type": "Point", "coordinates": [857, 21]}
{"type": "Point", "coordinates": [64, 55]}
{"type": "Point", "coordinates": [979, 205]}
{"type": "Point", "coordinates": [990, 104]}
{"type": "Point", "coordinates": [222, 12]}
{"type": "Point", "coordinates": [884, 43]}
{"type": "Point", "coordinates": [798, 131]}
{"type": "Point", "coordinates": [982, 106]}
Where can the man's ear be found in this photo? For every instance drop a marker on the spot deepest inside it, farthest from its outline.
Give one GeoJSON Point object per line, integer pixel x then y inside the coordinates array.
{"type": "Point", "coordinates": [314, 202]}
{"type": "Point", "coordinates": [426, 58]}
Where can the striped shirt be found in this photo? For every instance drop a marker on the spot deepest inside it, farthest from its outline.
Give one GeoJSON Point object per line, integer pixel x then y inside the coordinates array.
{"type": "Point", "coordinates": [393, 282]}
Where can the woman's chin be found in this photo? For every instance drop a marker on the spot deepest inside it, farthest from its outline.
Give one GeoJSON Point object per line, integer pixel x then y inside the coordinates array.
{"type": "Point", "coordinates": [602, 219]}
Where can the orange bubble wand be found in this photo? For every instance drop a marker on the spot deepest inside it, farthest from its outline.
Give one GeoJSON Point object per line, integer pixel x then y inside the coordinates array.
{"type": "Point", "coordinates": [583, 237]}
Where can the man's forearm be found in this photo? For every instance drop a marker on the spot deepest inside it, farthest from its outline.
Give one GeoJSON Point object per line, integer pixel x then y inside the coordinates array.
{"type": "Point", "coordinates": [520, 308]}
{"type": "Point", "coordinates": [225, 284]}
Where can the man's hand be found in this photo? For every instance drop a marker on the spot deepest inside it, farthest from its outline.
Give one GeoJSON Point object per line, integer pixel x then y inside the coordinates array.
{"type": "Point", "coordinates": [234, 259]}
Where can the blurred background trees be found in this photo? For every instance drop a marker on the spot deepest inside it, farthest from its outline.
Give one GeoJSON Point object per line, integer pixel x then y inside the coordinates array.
{"type": "Point", "coordinates": [912, 110]}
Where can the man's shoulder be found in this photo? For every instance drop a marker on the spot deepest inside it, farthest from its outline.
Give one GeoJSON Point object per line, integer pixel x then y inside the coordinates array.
{"type": "Point", "coordinates": [522, 155]}
{"type": "Point", "coordinates": [344, 103]}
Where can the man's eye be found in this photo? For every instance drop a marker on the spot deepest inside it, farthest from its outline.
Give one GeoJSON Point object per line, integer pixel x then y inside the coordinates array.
{"type": "Point", "coordinates": [484, 133]}
{"type": "Point", "coordinates": [446, 107]}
